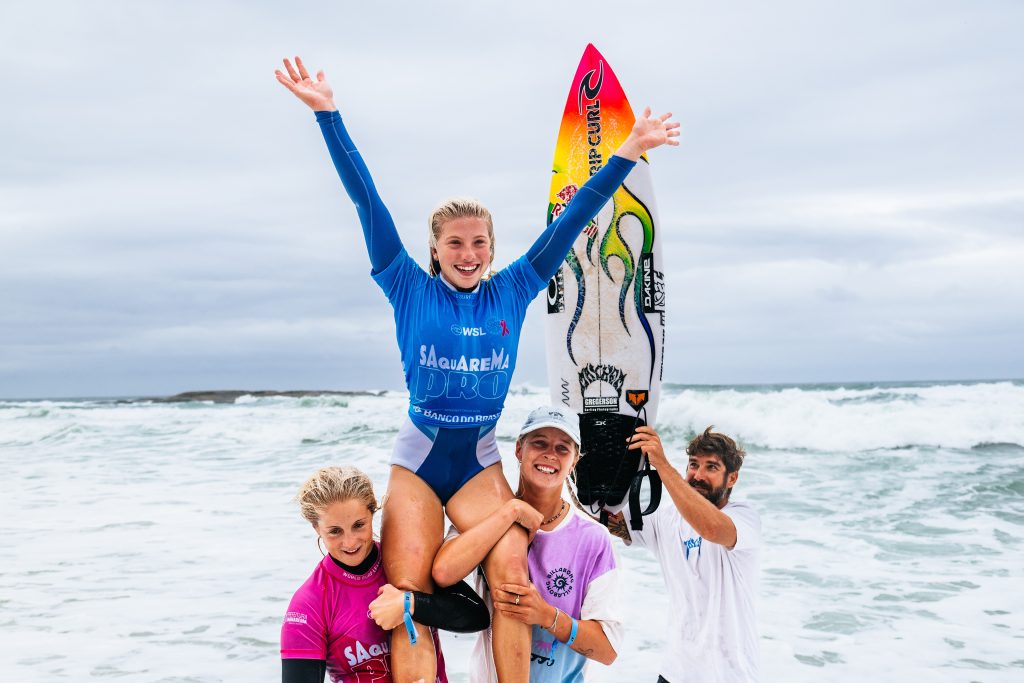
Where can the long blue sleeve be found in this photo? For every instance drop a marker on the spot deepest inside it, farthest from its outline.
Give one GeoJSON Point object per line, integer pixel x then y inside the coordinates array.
{"type": "Point", "coordinates": [554, 243]}
{"type": "Point", "coordinates": [382, 240]}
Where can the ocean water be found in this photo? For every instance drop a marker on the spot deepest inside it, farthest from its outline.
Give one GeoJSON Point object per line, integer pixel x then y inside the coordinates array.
{"type": "Point", "coordinates": [158, 541]}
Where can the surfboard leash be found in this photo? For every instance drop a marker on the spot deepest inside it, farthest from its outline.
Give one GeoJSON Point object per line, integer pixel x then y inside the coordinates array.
{"type": "Point", "coordinates": [636, 516]}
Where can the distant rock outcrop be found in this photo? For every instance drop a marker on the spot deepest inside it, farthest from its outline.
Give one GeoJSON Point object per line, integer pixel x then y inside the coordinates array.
{"type": "Point", "coordinates": [230, 396]}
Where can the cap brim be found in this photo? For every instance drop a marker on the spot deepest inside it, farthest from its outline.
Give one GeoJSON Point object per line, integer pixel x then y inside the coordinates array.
{"type": "Point", "coordinates": [555, 425]}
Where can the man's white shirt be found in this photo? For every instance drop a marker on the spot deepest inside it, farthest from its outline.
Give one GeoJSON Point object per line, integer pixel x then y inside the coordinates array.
{"type": "Point", "coordinates": [712, 595]}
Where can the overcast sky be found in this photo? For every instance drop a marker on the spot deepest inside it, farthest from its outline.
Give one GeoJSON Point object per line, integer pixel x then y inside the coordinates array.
{"type": "Point", "coordinates": [847, 202]}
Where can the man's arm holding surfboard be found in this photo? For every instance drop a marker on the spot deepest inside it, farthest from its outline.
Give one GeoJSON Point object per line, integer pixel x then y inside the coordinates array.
{"type": "Point", "coordinates": [706, 519]}
{"type": "Point", "coordinates": [648, 132]}
{"type": "Point", "coordinates": [382, 240]}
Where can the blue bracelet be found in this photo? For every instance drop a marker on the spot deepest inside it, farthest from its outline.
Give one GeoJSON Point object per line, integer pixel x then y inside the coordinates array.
{"type": "Point", "coordinates": [407, 618]}
{"type": "Point", "coordinates": [572, 633]}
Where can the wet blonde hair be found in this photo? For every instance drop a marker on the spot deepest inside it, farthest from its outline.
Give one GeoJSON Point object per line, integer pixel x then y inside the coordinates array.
{"type": "Point", "coordinates": [334, 485]}
{"type": "Point", "coordinates": [457, 207]}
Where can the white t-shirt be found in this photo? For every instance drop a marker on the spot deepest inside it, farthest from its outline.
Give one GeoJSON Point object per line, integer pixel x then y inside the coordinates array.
{"type": "Point", "coordinates": [712, 592]}
{"type": "Point", "coordinates": [574, 568]}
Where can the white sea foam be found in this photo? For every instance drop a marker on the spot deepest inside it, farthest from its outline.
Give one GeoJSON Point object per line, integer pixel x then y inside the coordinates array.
{"type": "Point", "coordinates": [158, 541]}
{"type": "Point", "coordinates": [855, 419]}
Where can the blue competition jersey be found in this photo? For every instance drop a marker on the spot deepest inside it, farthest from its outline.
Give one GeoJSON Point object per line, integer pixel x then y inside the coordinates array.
{"type": "Point", "coordinates": [459, 348]}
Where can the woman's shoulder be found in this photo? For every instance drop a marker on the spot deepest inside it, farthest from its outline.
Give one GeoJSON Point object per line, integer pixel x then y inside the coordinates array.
{"type": "Point", "coordinates": [312, 589]}
{"type": "Point", "coordinates": [518, 274]}
{"type": "Point", "coordinates": [584, 526]}
{"type": "Point", "coordinates": [592, 545]}
{"type": "Point", "coordinates": [401, 274]}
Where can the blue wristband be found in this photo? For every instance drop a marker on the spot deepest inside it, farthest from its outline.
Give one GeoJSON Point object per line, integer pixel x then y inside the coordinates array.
{"type": "Point", "coordinates": [407, 618]}
{"type": "Point", "coordinates": [572, 633]}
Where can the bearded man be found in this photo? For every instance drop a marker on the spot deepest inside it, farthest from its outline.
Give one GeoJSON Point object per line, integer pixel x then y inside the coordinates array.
{"type": "Point", "coordinates": [709, 550]}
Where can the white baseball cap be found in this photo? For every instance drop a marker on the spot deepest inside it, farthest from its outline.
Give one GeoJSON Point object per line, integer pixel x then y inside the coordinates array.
{"type": "Point", "coordinates": [553, 416]}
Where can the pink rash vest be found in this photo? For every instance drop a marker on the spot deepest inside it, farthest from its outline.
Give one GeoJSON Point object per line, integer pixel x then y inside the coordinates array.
{"type": "Point", "coordinates": [328, 618]}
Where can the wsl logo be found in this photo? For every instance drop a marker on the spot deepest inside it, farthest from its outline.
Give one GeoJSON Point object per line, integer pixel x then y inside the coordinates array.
{"type": "Point", "coordinates": [491, 326]}
{"type": "Point", "coordinates": [460, 331]}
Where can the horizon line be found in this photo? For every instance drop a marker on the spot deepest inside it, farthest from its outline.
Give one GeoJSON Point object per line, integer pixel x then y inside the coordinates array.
{"type": "Point", "coordinates": [300, 393]}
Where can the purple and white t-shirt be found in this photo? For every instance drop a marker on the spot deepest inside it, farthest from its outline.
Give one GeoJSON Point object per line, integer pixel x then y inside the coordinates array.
{"type": "Point", "coordinates": [574, 569]}
{"type": "Point", "coordinates": [329, 618]}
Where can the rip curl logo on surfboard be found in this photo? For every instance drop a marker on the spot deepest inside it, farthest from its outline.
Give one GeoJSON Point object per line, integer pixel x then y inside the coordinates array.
{"type": "Point", "coordinates": [590, 90]}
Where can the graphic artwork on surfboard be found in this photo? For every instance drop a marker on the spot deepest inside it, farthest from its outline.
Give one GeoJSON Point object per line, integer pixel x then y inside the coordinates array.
{"type": "Point", "coordinates": [606, 304]}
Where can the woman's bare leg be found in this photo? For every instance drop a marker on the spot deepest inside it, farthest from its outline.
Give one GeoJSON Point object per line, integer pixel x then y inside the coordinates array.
{"type": "Point", "coordinates": [506, 563]}
{"type": "Point", "coordinates": [412, 528]}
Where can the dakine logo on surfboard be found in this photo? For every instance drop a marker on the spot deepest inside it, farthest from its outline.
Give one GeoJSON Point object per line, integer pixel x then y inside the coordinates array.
{"type": "Point", "coordinates": [653, 292]}
{"type": "Point", "coordinates": [600, 376]}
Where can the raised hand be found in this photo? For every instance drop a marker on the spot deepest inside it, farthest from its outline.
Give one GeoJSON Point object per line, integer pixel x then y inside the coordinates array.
{"type": "Point", "coordinates": [316, 94]}
{"type": "Point", "coordinates": [649, 132]}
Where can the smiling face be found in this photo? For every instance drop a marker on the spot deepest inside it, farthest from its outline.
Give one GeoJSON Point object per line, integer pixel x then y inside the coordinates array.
{"type": "Point", "coordinates": [706, 473]}
{"type": "Point", "coordinates": [464, 251]}
{"type": "Point", "coordinates": [546, 456]}
{"type": "Point", "coordinates": [346, 528]}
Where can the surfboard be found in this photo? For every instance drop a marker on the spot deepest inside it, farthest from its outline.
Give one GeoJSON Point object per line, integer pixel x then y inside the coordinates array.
{"type": "Point", "coordinates": [605, 322]}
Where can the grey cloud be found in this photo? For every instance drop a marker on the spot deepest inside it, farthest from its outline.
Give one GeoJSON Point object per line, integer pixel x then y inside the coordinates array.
{"type": "Point", "coordinates": [845, 203]}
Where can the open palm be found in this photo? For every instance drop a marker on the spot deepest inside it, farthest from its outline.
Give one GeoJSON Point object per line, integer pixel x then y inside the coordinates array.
{"type": "Point", "coordinates": [654, 131]}
{"type": "Point", "coordinates": [316, 94]}
{"type": "Point", "coordinates": [649, 132]}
